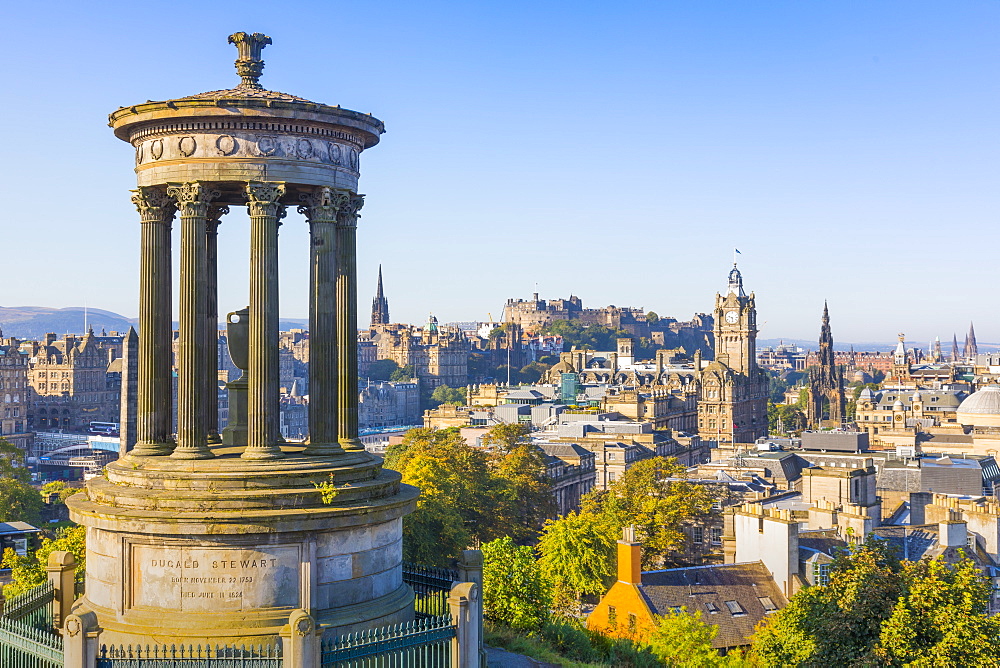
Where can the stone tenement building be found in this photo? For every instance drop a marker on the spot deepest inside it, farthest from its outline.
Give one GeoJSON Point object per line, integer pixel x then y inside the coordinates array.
{"type": "Point", "coordinates": [14, 393]}
{"type": "Point", "coordinates": [534, 314]}
{"type": "Point", "coordinates": [439, 355]}
{"type": "Point", "coordinates": [70, 380]}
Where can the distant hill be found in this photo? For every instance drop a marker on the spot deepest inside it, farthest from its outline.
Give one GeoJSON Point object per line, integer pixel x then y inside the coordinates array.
{"type": "Point", "coordinates": [869, 346]}
{"type": "Point", "coordinates": [34, 322]}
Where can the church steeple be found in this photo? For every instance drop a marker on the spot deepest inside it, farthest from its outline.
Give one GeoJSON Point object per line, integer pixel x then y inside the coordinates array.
{"type": "Point", "coordinates": [971, 349]}
{"type": "Point", "coordinates": [380, 305]}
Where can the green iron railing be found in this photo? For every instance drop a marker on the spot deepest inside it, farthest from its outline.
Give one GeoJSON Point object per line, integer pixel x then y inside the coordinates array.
{"type": "Point", "coordinates": [431, 586]}
{"type": "Point", "coordinates": [33, 607]}
{"type": "Point", "coordinates": [22, 646]}
{"type": "Point", "coordinates": [189, 656]}
{"type": "Point", "coordinates": [425, 643]}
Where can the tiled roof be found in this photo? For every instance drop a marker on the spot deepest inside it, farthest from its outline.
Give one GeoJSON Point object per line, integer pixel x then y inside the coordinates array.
{"type": "Point", "coordinates": [706, 588]}
{"type": "Point", "coordinates": [245, 93]}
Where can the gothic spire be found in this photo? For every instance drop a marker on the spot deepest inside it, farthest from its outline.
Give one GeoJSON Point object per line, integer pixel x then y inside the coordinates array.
{"type": "Point", "coordinates": [971, 349]}
{"type": "Point", "coordinates": [380, 305]}
{"type": "Point", "coordinates": [954, 347]}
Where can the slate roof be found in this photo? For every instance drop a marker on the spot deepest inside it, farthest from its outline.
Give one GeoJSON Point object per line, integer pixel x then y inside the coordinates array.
{"type": "Point", "coordinates": [822, 540]}
{"type": "Point", "coordinates": [702, 587]}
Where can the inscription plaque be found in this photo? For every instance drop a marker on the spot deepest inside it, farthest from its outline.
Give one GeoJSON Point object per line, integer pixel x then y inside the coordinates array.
{"type": "Point", "coordinates": [214, 579]}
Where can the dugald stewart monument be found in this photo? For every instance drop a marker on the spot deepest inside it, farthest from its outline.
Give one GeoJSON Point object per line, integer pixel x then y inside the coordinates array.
{"type": "Point", "coordinates": [226, 538]}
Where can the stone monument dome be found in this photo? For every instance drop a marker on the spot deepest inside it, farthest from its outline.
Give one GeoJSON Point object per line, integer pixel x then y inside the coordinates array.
{"type": "Point", "coordinates": [981, 408]}
{"type": "Point", "coordinates": [199, 535]}
{"type": "Point", "coordinates": [246, 132]}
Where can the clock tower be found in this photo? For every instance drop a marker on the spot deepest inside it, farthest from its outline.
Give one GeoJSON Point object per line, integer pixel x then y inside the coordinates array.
{"type": "Point", "coordinates": [734, 390]}
{"type": "Point", "coordinates": [736, 326]}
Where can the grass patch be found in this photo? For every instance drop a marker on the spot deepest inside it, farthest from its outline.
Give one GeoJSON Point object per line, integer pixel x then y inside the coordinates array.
{"type": "Point", "coordinates": [566, 642]}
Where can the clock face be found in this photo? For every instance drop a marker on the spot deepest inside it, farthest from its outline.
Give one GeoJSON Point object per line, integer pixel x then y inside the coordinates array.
{"type": "Point", "coordinates": [732, 317]}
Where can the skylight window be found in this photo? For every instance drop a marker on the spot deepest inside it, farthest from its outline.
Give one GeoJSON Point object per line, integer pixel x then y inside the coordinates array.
{"type": "Point", "coordinates": [735, 609]}
{"type": "Point", "coordinates": [768, 604]}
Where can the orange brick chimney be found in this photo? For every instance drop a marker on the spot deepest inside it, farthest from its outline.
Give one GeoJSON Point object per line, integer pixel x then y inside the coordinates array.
{"type": "Point", "coordinates": [629, 558]}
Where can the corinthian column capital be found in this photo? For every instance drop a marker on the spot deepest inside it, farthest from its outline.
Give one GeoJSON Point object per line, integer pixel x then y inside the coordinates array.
{"type": "Point", "coordinates": [192, 198]}
{"type": "Point", "coordinates": [214, 217]}
{"type": "Point", "coordinates": [262, 199]}
{"type": "Point", "coordinates": [351, 211]}
{"type": "Point", "coordinates": [153, 204]}
{"type": "Point", "coordinates": [323, 205]}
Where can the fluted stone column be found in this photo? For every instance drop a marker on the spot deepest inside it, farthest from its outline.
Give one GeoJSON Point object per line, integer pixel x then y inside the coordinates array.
{"type": "Point", "coordinates": [154, 415]}
{"type": "Point", "coordinates": [263, 398]}
{"type": "Point", "coordinates": [347, 323]}
{"type": "Point", "coordinates": [321, 209]}
{"type": "Point", "coordinates": [215, 213]}
{"type": "Point", "coordinates": [192, 422]}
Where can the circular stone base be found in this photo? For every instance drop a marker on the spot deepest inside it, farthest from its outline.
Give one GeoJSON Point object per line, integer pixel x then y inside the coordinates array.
{"type": "Point", "coordinates": [223, 550]}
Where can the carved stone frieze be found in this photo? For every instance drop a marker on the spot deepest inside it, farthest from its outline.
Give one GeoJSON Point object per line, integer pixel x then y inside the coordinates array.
{"type": "Point", "coordinates": [242, 145]}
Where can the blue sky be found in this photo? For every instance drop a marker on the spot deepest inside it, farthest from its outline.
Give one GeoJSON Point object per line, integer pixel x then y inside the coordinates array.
{"type": "Point", "coordinates": [616, 151]}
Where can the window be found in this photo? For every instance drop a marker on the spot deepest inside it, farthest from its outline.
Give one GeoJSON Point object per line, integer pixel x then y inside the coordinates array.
{"type": "Point", "coordinates": [632, 622]}
{"type": "Point", "coordinates": [821, 574]}
{"type": "Point", "coordinates": [712, 608]}
{"type": "Point", "coordinates": [697, 534]}
{"type": "Point", "coordinates": [611, 456]}
{"type": "Point", "coordinates": [612, 616]}
{"type": "Point", "coordinates": [768, 604]}
{"type": "Point", "coordinates": [735, 609]}
{"type": "Point", "coordinates": [716, 534]}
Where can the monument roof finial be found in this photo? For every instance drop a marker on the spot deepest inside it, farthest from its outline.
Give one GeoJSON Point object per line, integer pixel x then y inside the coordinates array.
{"type": "Point", "coordinates": [249, 65]}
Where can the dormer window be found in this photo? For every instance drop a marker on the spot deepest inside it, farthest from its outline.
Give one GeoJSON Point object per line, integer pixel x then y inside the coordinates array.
{"type": "Point", "coordinates": [712, 608]}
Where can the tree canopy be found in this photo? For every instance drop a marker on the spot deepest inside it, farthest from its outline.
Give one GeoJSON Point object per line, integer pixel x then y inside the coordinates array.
{"type": "Point", "coordinates": [443, 394]}
{"type": "Point", "coordinates": [654, 497]}
{"type": "Point", "coordinates": [515, 592]}
{"type": "Point", "coordinates": [877, 610]}
{"type": "Point", "coordinates": [19, 501]}
{"type": "Point", "coordinates": [577, 555]}
{"type": "Point", "coordinates": [382, 369]}
{"type": "Point", "coordinates": [28, 572]}
{"type": "Point", "coordinates": [470, 494]}
{"type": "Point", "coordinates": [593, 337]}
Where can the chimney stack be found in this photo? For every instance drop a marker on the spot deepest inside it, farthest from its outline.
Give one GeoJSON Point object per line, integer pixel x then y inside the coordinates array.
{"type": "Point", "coordinates": [629, 558]}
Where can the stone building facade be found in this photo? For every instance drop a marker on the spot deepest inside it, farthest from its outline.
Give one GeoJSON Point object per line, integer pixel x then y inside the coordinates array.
{"type": "Point", "coordinates": [439, 355]}
{"type": "Point", "coordinates": [388, 404]}
{"type": "Point", "coordinates": [15, 394]}
{"type": "Point", "coordinates": [70, 381]}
